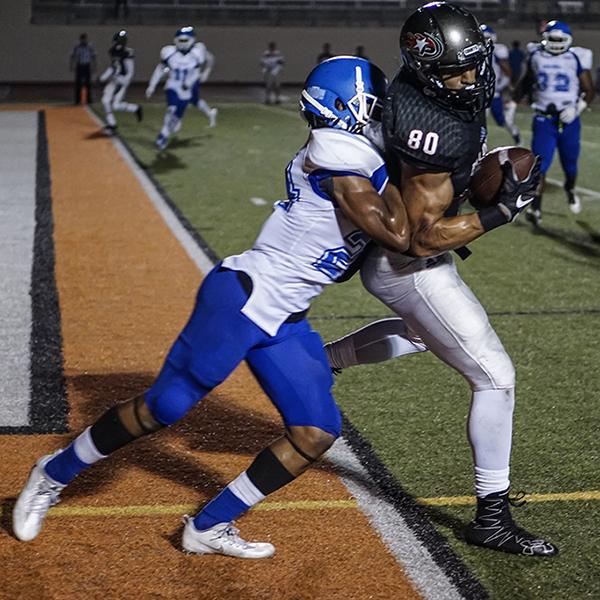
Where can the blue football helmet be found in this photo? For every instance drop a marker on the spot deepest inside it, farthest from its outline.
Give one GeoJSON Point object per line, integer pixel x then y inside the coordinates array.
{"type": "Point", "coordinates": [344, 92]}
{"type": "Point", "coordinates": [556, 37]}
{"type": "Point", "coordinates": [185, 38]}
{"type": "Point", "coordinates": [488, 33]}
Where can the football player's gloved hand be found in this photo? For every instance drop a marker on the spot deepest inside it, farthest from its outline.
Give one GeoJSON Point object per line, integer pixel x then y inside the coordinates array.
{"type": "Point", "coordinates": [570, 113]}
{"type": "Point", "coordinates": [514, 196]}
{"type": "Point", "coordinates": [149, 92]}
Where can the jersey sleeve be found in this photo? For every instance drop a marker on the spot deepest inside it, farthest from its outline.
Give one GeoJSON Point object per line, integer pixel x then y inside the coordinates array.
{"type": "Point", "coordinates": [585, 57]}
{"type": "Point", "coordinates": [421, 133]}
{"type": "Point", "coordinates": [501, 51]}
{"type": "Point", "coordinates": [200, 52]}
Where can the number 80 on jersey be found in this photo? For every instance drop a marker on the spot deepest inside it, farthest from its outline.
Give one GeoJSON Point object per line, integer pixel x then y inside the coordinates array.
{"type": "Point", "coordinates": [427, 142]}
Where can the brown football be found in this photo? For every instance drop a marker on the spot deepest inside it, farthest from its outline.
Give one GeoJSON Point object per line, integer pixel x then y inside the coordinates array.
{"type": "Point", "coordinates": [487, 176]}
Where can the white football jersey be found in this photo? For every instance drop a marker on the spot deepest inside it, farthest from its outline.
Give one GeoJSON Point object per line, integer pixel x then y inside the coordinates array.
{"type": "Point", "coordinates": [502, 80]}
{"type": "Point", "coordinates": [184, 69]}
{"type": "Point", "coordinates": [307, 242]}
{"type": "Point", "coordinates": [557, 75]}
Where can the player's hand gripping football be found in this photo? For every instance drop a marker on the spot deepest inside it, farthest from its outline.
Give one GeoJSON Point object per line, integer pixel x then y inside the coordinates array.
{"type": "Point", "coordinates": [515, 194]}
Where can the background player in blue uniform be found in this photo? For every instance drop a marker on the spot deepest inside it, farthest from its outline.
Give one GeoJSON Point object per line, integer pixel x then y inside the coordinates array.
{"type": "Point", "coordinates": [559, 77]}
{"type": "Point", "coordinates": [187, 64]}
{"type": "Point", "coordinates": [253, 306]}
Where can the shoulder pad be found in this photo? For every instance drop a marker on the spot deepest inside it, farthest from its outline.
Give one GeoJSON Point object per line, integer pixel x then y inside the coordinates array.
{"type": "Point", "coordinates": [167, 51]}
{"type": "Point", "coordinates": [584, 55]}
{"type": "Point", "coordinates": [501, 51]}
{"type": "Point", "coordinates": [337, 150]}
{"type": "Point", "coordinates": [533, 47]}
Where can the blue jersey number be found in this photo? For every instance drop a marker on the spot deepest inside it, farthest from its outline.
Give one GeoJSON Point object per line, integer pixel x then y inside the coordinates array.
{"type": "Point", "coordinates": [560, 82]}
{"type": "Point", "coordinates": [293, 193]}
{"type": "Point", "coordinates": [180, 74]}
{"type": "Point", "coordinates": [334, 262]}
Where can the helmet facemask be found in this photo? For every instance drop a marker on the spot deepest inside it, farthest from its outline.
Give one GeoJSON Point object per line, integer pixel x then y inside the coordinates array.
{"type": "Point", "coordinates": [556, 41]}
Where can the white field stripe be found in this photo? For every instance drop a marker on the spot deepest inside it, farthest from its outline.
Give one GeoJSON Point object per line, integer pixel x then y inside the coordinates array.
{"type": "Point", "coordinates": [183, 236]}
{"type": "Point", "coordinates": [18, 147]}
{"type": "Point", "coordinates": [415, 559]}
{"type": "Point", "coordinates": [581, 190]}
{"type": "Point", "coordinates": [258, 201]}
{"type": "Point", "coordinates": [408, 551]}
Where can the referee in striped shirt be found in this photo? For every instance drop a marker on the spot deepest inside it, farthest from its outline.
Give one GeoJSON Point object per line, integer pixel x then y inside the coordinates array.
{"type": "Point", "coordinates": [83, 63]}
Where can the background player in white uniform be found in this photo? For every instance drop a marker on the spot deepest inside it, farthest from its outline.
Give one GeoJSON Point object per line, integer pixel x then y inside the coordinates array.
{"type": "Point", "coordinates": [187, 64]}
{"type": "Point", "coordinates": [503, 73]}
{"type": "Point", "coordinates": [434, 128]}
{"type": "Point", "coordinates": [117, 78]}
{"type": "Point", "coordinates": [253, 307]}
{"type": "Point", "coordinates": [272, 62]}
{"type": "Point", "coordinates": [559, 77]}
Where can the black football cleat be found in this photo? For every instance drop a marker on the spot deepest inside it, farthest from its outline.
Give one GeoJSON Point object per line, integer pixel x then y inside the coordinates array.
{"type": "Point", "coordinates": [494, 528]}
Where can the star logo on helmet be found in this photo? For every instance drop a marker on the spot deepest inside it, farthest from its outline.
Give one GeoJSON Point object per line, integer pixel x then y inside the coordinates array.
{"type": "Point", "coordinates": [424, 45]}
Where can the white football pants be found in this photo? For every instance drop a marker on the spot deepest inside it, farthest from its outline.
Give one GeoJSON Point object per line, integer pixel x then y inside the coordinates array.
{"type": "Point", "coordinates": [439, 308]}
{"type": "Point", "coordinates": [112, 100]}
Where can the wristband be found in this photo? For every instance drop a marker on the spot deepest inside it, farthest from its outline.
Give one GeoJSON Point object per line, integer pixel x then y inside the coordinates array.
{"type": "Point", "coordinates": [492, 217]}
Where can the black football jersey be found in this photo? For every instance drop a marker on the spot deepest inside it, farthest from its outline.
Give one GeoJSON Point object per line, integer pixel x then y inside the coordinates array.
{"type": "Point", "coordinates": [423, 133]}
{"type": "Point", "coordinates": [118, 54]}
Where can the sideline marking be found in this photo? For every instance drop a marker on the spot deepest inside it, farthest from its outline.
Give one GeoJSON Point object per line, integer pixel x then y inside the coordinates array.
{"type": "Point", "coordinates": [159, 510]}
{"type": "Point", "coordinates": [468, 500]}
{"type": "Point", "coordinates": [582, 190]}
{"type": "Point", "coordinates": [258, 201]}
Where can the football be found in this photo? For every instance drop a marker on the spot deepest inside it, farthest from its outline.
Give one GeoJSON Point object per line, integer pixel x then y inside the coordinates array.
{"type": "Point", "coordinates": [487, 176]}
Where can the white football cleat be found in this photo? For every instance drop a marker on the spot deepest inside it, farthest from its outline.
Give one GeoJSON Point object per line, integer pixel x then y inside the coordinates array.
{"type": "Point", "coordinates": [223, 538]}
{"type": "Point", "coordinates": [212, 117]}
{"type": "Point", "coordinates": [34, 501]}
{"type": "Point", "coordinates": [574, 202]}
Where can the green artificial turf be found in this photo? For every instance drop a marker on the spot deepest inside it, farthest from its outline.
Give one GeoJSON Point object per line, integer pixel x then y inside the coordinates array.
{"type": "Point", "coordinates": [541, 289]}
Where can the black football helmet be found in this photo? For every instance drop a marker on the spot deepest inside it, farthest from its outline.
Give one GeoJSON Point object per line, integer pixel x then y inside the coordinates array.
{"type": "Point", "coordinates": [119, 41]}
{"type": "Point", "coordinates": [444, 39]}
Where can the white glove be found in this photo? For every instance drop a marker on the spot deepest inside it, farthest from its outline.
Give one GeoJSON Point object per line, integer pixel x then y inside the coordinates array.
{"type": "Point", "coordinates": [149, 92]}
{"type": "Point", "coordinates": [510, 110]}
{"type": "Point", "coordinates": [570, 113]}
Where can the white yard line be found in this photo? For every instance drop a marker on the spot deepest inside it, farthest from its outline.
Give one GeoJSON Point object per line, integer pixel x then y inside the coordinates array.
{"type": "Point", "coordinates": [582, 190]}
{"type": "Point", "coordinates": [431, 581]}
{"type": "Point", "coordinates": [18, 149]}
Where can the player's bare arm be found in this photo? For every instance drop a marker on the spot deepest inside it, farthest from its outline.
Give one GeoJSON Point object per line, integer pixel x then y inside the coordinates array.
{"type": "Point", "coordinates": [383, 218]}
{"type": "Point", "coordinates": [427, 197]}
{"type": "Point", "coordinates": [587, 86]}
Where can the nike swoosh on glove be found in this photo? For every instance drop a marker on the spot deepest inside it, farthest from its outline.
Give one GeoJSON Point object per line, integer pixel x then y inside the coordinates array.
{"type": "Point", "coordinates": [515, 195]}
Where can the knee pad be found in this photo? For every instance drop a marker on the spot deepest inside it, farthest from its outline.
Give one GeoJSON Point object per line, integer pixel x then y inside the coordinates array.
{"type": "Point", "coordinates": [310, 442]}
{"type": "Point", "coordinates": [499, 373]}
{"type": "Point", "coordinates": [174, 399]}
